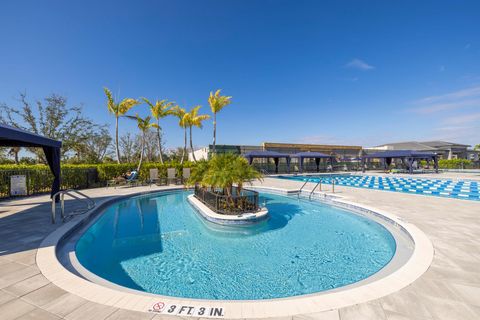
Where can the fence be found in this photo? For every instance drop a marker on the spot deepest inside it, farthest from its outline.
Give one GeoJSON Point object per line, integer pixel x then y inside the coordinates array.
{"type": "Point", "coordinates": [218, 201]}
{"type": "Point", "coordinates": [40, 180]}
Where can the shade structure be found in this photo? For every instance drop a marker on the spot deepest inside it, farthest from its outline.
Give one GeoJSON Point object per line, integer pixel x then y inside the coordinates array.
{"type": "Point", "coordinates": [266, 154]}
{"type": "Point", "coordinates": [15, 137]}
{"type": "Point", "coordinates": [312, 155]}
{"type": "Point", "coordinates": [406, 155]}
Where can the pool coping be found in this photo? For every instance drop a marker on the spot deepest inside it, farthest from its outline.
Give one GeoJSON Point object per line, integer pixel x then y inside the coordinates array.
{"type": "Point", "coordinates": [208, 214]}
{"type": "Point", "coordinates": [55, 272]}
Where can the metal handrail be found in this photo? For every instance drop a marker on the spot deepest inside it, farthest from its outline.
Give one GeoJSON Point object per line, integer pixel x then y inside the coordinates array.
{"type": "Point", "coordinates": [75, 195]}
{"type": "Point", "coordinates": [300, 191]}
{"type": "Point", "coordinates": [319, 183]}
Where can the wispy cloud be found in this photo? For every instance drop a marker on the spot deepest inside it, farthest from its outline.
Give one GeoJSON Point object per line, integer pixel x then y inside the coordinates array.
{"type": "Point", "coordinates": [359, 65]}
{"type": "Point", "coordinates": [460, 94]}
{"type": "Point", "coordinates": [469, 97]}
{"type": "Point", "coordinates": [437, 107]}
{"type": "Point", "coordinates": [463, 119]}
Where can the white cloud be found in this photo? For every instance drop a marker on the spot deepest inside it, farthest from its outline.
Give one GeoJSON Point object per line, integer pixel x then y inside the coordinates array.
{"type": "Point", "coordinates": [437, 107]}
{"type": "Point", "coordinates": [469, 97]}
{"type": "Point", "coordinates": [460, 94]}
{"type": "Point", "coordinates": [359, 64]}
{"type": "Point", "coordinates": [463, 119]}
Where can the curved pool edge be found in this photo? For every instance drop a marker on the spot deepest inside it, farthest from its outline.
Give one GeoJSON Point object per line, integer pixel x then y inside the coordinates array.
{"type": "Point", "coordinates": [55, 272]}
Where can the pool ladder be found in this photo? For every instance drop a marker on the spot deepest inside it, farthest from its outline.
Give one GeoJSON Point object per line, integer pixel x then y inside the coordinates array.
{"type": "Point", "coordinates": [319, 184]}
{"type": "Point", "coordinates": [75, 194]}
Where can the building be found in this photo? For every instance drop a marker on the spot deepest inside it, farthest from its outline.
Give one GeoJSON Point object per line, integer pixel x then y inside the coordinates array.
{"type": "Point", "coordinates": [445, 150]}
{"type": "Point", "coordinates": [290, 148]}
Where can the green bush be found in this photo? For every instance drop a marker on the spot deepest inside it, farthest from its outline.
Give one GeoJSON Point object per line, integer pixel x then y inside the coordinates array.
{"type": "Point", "coordinates": [77, 176]}
{"type": "Point", "coordinates": [454, 164]}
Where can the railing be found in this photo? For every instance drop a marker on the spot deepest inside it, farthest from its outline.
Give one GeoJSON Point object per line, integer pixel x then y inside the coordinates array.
{"type": "Point", "coordinates": [75, 194]}
{"type": "Point", "coordinates": [219, 202]}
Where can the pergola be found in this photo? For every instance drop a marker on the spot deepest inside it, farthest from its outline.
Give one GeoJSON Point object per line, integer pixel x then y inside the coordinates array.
{"type": "Point", "coordinates": [312, 155]}
{"type": "Point", "coordinates": [265, 154]}
{"type": "Point", "coordinates": [409, 156]}
{"type": "Point", "coordinates": [14, 137]}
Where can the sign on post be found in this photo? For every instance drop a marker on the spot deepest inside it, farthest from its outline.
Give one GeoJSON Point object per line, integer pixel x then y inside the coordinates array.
{"type": "Point", "coordinates": [18, 185]}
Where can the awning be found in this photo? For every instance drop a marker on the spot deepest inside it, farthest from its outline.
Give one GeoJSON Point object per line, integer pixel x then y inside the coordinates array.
{"type": "Point", "coordinates": [15, 137]}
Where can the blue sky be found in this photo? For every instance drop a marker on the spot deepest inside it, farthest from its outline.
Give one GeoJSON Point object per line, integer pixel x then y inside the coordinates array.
{"type": "Point", "coordinates": [333, 72]}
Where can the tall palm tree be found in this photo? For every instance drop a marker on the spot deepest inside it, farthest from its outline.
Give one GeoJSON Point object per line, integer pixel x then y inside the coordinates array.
{"type": "Point", "coordinates": [182, 116]}
{"type": "Point", "coordinates": [195, 119]}
{"type": "Point", "coordinates": [144, 125]}
{"type": "Point", "coordinates": [118, 109]}
{"type": "Point", "coordinates": [159, 110]}
{"type": "Point", "coordinates": [217, 102]}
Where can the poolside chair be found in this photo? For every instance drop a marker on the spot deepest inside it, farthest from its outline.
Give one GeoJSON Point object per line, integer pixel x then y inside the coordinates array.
{"type": "Point", "coordinates": [185, 175]}
{"type": "Point", "coordinates": [153, 177]}
{"type": "Point", "coordinates": [172, 176]}
{"type": "Point", "coordinates": [133, 179]}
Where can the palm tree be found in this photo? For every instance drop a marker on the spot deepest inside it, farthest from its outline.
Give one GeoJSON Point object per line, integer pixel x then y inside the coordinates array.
{"type": "Point", "coordinates": [217, 102]}
{"type": "Point", "coordinates": [144, 125]}
{"type": "Point", "coordinates": [182, 116]}
{"type": "Point", "coordinates": [118, 110]}
{"type": "Point", "coordinates": [159, 110]}
{"type": "Point", "coordinates": [195, 119]}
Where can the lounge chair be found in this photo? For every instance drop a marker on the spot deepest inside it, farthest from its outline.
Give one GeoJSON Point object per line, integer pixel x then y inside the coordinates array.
{"type": "Point", "coordinates": [172, 176]}
{"type": "Point", "coordinates": [153, 178]}
{"type": "Point", "coordinates": [185, 175]}
{"type": "Point", "coordinates": [132, 180]}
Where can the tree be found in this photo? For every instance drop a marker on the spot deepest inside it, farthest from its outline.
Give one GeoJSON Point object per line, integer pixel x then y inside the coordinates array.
{"type": "Point", "coordinates": [118, 109]}
{"type": "Point", "coordinates": [151, 145]}
{"type": "Point", "coordinates": [225, 170]}
{"type": "Point", "coordinates": [144, 125]}
{"type": "Point", "coordinates": [182, 116]}
{"type": "Point", "coordinates": [97, 147]}
{"type": "Point", "coordinates": [217, 103]}
{"type": "Point", "coordinates": [128, 146]}
{"type": "Point", "coordinates": [477, 147]}
{"type": "Point", "coordinates": [195, 119]}
{"type": "Point", "coordinates": [14, 152]}
{"type": "Point", "coordinates": [52, 118]}
{"type": "Point", "coordinates": [159, 110]}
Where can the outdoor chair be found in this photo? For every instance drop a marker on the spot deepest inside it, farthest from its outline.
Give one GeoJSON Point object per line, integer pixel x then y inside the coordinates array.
{"type": "Point", "coordinates": [132, 180]}
{"type": "Point", "coordinates": [153, 177]}
{"type": "Point", "coordinates": [172, 176]}
{"type": "Point", "coordinates": [185, 175]}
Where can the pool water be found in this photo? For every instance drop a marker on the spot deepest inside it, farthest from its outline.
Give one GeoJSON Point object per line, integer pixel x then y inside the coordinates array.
{"type": "Point", "coordinates": [157, 243]}
{"type": "Point", "coordinates": [467, 190]}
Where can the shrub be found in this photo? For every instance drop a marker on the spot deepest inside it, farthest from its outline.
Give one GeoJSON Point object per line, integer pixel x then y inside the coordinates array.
{"type": "Point", "coordinates": [77, 176]}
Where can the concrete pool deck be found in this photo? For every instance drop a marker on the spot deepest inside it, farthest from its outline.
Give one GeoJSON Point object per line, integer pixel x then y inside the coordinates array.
{"type": "Point", "coordinates": [450, 289]}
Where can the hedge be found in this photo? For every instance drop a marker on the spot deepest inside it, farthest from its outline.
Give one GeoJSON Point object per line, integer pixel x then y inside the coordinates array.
{"type": "Point", "coordinates": [39, 177]}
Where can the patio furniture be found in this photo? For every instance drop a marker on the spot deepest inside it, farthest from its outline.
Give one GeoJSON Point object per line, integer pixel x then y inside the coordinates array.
{"type": "Point", "coordinates": [172, 176]}
{"type": "Point", "coordinates": [185, 175]}
{"type": "Point", "coordinates": [153, 177]}
{"type": "Point", "coordinates": [130, 181]}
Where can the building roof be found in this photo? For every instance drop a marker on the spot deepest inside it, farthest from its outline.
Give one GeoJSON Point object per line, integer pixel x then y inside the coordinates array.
{"type": "Point", "coordinates": [440, 144]}
{"type": "Point", "coordinates": [420, 146]}
{"type": "Point", "coordinates": [402, 154]}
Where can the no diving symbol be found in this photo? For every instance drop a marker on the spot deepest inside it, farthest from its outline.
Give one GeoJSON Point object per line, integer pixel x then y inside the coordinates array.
{"type": "Point", "coordinates": [158, 307]}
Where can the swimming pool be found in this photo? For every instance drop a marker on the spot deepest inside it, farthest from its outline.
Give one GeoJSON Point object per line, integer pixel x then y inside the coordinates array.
{"type": "Point", "coordinates": [158, 244]}
{"type": "Point", "coordinates": [433, 187]}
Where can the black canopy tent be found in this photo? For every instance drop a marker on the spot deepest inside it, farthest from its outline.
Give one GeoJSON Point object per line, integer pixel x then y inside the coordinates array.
{"type": "Point", "coordinates": [406, 155]}
{"type": "Point", "coordinates": [312, 155]}
{"type": "Point", "coordinates": [14, 137]}
{"type": "Point", "coordinates": [269, 155]}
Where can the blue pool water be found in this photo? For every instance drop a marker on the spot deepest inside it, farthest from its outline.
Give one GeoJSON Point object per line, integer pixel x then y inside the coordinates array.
{"type": "Point", "coordinates": [158, 243]}
{"type": "Point", "coordinates": [467, 190]}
